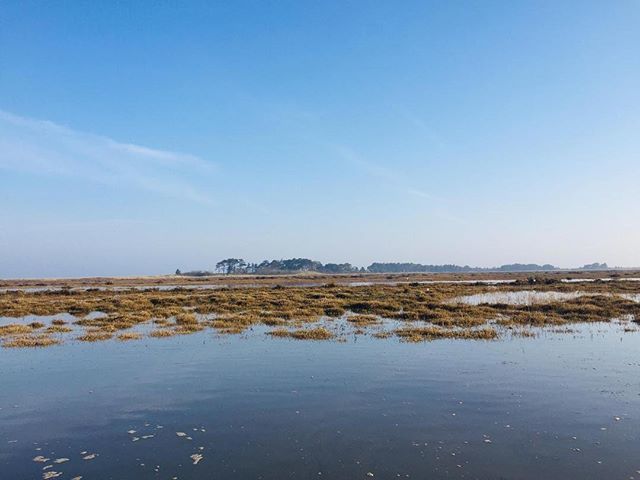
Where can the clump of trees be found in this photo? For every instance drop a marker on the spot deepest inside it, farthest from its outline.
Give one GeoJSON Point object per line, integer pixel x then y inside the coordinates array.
{"type": "Point", "coordinates": [231, 266]}
{"type": "Point", "coordinates": [595, 266]}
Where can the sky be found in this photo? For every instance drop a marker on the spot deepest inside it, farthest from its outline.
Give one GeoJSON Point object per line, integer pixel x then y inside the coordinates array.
{"type": "Point", "coordinates": [141, 137]}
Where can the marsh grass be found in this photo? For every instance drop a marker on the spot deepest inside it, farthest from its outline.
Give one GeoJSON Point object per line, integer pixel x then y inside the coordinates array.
{"type": "Point", "coordinates": [186, 319]}
{"type": "Point", "coordinates": [126, 336]}
{"type": "Point", "coordinates": [163, 333]}
{"type": "Point", "coordinates": [95, 336]}
{"type": "Point", "coordinates": [188, 328]}
{"type": "Point", "coordinates": [15, 329]}
{"type": "Point", "coordinates": [383, 335]}
{"type": "Point", "coordinates": [59, 329]}
{"type": "Point", "coordinates": [419, 334]}
{"type": "Point", "coordinates": [364, 320]}
{"type": "Point", "coordinates": [298, 309]}
{"type": "Point", "coordinates": [318, 333]}
{"type": "Point", "coordinates": [30, 341]}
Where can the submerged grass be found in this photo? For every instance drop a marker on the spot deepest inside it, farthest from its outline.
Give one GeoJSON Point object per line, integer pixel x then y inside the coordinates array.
{"type": "Point", "coordinates": [95, 336]}
{"type": "Point", "coordinates": [319, 333]}
{"type": "Point", "coordinates": [129, 336]}
{"type": "Point", "coordinates": [419, 334]}
{"type": "Point", "coordinates": [15, 329]}
{"type": "Point", "coordinates": [163, 333]}
{"type": "Point", "coordinates": [30, 341]}
{"type": "Point", "coordinates": [59, 329]}
{"type": "Point", "coordinates": [364, 320]}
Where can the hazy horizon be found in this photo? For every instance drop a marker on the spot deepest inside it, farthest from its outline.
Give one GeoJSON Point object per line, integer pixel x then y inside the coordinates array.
{"type": "Point", "coordinates": [137, 140]}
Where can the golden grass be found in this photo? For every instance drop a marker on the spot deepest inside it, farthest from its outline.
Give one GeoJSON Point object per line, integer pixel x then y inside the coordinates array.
{"type": "Point", "coordinates": [95, 336]}
{"type": "Point", "coordinates": [188, 328]}
{"type": "Point", "coordinates": [319, 333]}
{"type": "Point", "coordinates": [186, 319]}
{"type": "Point", "coordinates": [328, 280]}
{"type": "Point", "coordinates": [15, 329]}
{"type": "Point", "coordinates": [364, 320]}
{"type": "Point", "coordinates": [382, 334]}
{"type": "Point", "coordinates": [234, 310]}
{"type": "Point", "coordinates": [162, 333]}
{"type": "Point", "coordinates": [59, 329]}
{"type": "Point", "coordinates": [419, 334]}
{"type": "Point", "coordinates": [123, 337]}
{"type": "Point", "coordinates": [30, 341]}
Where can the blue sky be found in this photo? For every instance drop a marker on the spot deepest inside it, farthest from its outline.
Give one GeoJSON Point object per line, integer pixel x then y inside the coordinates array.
{"type": "Point", "coordinates": [138, 138]}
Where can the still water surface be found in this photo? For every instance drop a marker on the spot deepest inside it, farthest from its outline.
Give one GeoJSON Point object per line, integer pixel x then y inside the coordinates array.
{"type": "Point", "coordinates": [557, 406]}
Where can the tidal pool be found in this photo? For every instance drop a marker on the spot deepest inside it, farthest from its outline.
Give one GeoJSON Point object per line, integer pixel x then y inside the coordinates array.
{"type": "Point", "coordinates": [203, 406]}
{"type": "Point", "coordinates": [521, 297]}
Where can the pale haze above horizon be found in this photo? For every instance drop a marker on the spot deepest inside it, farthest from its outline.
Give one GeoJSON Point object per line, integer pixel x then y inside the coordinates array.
{"type": "Point", "coordinates": [141, 138]}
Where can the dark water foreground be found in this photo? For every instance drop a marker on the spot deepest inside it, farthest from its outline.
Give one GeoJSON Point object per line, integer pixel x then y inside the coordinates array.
{"type": "Point", "coordinates": [558, 406]}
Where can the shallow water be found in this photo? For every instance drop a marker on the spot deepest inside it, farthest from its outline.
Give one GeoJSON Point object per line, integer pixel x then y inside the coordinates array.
{"type": "Point", "coordinates": [520, 297]}
{"type": "Point", "coordinates": [554, 406]}
{"type": "Point", "coordinates": [530, 297]}
{"type": "Point", "coordinates": [217, 286]}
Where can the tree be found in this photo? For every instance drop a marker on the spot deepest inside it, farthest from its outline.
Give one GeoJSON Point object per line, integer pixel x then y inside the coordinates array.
{"type": "Point", "coordinates": [231, 265]}
{"type": "Point", "coordinates": [178, 272]}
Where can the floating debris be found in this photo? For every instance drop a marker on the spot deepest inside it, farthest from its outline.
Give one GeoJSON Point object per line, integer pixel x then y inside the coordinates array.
{"type": "Point", "coordinates": [52, 474]}
{"type": "Point", "coordinates": [91, 456]}
{"type": "Point", "coordinates": [196, 457]}
{"type": "Point", "coordinates": [61, 460]}
{"type": "Point", "coordinates": [40, 459]}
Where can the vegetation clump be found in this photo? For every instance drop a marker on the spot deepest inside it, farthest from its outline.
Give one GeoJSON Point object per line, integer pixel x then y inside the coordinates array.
{"type": "Point", "coordinates": [364, 320]}
{"type": "Point", "coordinates": [58, 329]}
{"type": "Point", "coordinates": [297, 311]}
{"type": "Point", "coordinates": [30, 341]}
{"type": "Point", "coordinates": [14, 329]}
{"type": "Point", "coordinates": [419, 334]}
{"type": "Point", "coordinates": [126, 336]}
{"type": "Point", "coordinates": [319, 333]}
{"type": "Point", "coordinates": [95, 336]}
{"type": "Point", "coordinates": [163, 333]}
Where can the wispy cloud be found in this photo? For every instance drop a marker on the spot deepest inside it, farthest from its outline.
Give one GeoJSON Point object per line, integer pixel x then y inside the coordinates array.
{"type": "Point", "coordinates": [45, 148]}
{"type": "Point", "coordinates": [427, 131]}
{"type": "Point", "coordinates": [399, 182]}
{"type": "Point", "coordinates": [387, 175]}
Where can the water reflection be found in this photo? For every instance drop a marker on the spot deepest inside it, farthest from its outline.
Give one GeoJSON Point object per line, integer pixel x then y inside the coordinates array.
{"type": "Point", "coordinates": [555, 406]}
{"type": "Point", "coordinates": [520, 297]}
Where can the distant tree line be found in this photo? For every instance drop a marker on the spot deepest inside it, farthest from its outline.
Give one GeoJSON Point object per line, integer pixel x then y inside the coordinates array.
{"type": "Point", "coordinates": [238, 265]}
{"type": "Point", "coordinates": [448, 268]}
{"type": "Point", "coordinates": [231, 266]}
